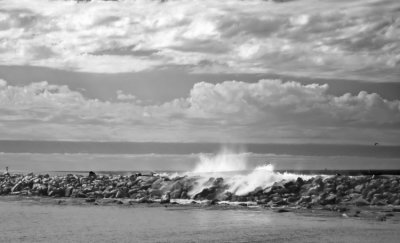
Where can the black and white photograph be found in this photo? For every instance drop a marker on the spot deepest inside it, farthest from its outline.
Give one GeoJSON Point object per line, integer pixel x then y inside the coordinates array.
{"type": "Point", "coordinates": [200, 121]}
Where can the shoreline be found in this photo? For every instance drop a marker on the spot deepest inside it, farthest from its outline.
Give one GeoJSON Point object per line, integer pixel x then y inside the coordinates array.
{"type": "Point", "coordinates": [371, 213]}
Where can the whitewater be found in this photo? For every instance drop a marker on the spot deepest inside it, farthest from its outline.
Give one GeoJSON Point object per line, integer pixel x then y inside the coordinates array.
{"type": "Point", "coordinates": [238, 177]}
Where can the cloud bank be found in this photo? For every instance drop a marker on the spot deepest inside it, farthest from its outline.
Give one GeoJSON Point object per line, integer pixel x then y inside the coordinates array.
{"type": "Point", "coordinates": [355, 39]}
{"type": "Point", "coordinates": [266, 111]}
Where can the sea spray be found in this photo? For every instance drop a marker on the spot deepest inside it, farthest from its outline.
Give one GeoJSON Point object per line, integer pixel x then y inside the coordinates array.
{"type": "Point", "coordinates": [230, 166]}
{"type": "Point", "coordinates": [260, 177]}
{"type": "Point", "coordinates": [226, 160]}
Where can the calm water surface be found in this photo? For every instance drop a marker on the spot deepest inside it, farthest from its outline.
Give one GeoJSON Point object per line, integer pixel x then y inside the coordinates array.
{"type": "Point", "coordinates": [25, 162]}
{"type": "Point", "coordinates": [27, 222]}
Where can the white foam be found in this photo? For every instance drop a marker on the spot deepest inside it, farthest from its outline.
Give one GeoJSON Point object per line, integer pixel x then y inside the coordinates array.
{"type": "Point", "coordinates": [261, 176]}
{"type": "Point", "coordinates": [238, 184]}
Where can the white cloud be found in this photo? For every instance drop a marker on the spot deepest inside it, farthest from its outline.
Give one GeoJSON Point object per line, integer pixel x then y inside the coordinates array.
{"type": "Point", "coordinates": [273, 102]}
{"type": "Point", "coordinates": [355, 39]}
{"type": "Point", "coordinates": [266, 111]}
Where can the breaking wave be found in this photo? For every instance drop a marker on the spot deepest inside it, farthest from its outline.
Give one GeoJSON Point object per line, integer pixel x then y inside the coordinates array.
{"type": "Point", "coordinates": [237, 177]}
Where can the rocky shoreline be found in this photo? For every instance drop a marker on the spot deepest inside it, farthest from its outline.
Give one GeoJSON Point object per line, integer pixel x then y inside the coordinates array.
{"type": "Point", "coordinates": [336, 193]}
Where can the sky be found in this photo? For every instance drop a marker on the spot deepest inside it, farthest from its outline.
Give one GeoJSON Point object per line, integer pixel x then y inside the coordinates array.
{"type": "Point", "coordinates": [251, 71]}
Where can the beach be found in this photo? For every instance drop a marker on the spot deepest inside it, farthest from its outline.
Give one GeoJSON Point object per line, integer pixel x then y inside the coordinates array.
{"type": "Point", "coordinates": [35, 220]}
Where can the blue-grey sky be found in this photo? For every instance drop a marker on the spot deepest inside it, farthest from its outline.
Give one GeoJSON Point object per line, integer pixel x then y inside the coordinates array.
{"type": "Point", "coordinates": [211, 71]}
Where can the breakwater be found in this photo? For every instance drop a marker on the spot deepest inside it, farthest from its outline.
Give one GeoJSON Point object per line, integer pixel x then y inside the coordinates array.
{"type": "Point", "coordinates": [307, 192]}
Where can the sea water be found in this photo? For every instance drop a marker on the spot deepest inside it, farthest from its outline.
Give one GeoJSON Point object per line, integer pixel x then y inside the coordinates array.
{"type": "Point", "coordinates": [45, 162]}
{"type": "Point", "coordinates": [24, 221]}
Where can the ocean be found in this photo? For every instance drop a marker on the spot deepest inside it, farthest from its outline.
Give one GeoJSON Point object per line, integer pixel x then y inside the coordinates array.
{"type": "Point", "coordinates": [63, 156]}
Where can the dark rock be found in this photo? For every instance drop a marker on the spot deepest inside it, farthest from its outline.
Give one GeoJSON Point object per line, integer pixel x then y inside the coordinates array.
{"type": "Point", "coordinates": [262, 201]}
{"type": "Point", "coordinates": [330, 199]}
{"type": "Point", "coordinates": [299, 181]}
{"type": "Point", "coordinates": [80, 194]}
{"type": "Point", "coordinates": [305, 199]}
{"type": "Point", "coordinates": [120, 194]}
{"type": "Point", "coordinates": [213, 202]}
{"type": "Point", "coordinates": [359, 188]}
{"type": "Point", "coordinates": [90, 200]}
{"type": "Point", "coordinates": [68, 191]}
{"type": "Point", "coordinates": [282, 210]}
{"type": "Point", "coordinates": [42, 190]}
{"type": "Point", "coordinates": [92, 175]}
{"type": "Point", "coordinates": [17, 187]}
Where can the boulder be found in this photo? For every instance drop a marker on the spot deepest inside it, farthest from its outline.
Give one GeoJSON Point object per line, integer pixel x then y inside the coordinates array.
{"type": "Point", "coordinates": [155, 193]}
{"type": "Point", "coordinates": [359, 202]}
{"type": "Point", "coordinates": [227, 196]}
{"type": "Point", "coordinates": [17, 187]}
{"type": "Point", "coordinates": [279, 187]}
{"type": "Point", "coordinates": [68, 191]}
{"type": "Point", "coordinates": [314, 190]}
{"type": "Point", "coordinates": [292, 199]}
{"type": "Point", "coordinates": [158, 183]}
{"type": "Point", "coordinates": [299, 181]}
{"type": "Point", "coordinates": [304, 199]}
{"type": "Point", "coordinates": [92, 175]}
{"type": "Point", "coordinates": [176, 194]}
{"type": "Point", "coordinates": [330, 199]}
{"type": "Point", "coordinates": [359, 188]}
{"type": "Point", "coordinates": [42, 190]}
{"type": "Point", "coordinates": [120, 194]}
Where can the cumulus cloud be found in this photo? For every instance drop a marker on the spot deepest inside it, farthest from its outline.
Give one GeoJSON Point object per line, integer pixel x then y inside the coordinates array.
{"type": "Point", "coordinates": [266, 111]}
{"type": "Point", "coordinates": [275, 102]}
{"type": "Point", "coordinates": [337, 39]}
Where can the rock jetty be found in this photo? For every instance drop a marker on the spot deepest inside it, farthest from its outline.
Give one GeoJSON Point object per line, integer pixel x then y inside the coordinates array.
{"type": "Point", "coordinates": [305, 193]}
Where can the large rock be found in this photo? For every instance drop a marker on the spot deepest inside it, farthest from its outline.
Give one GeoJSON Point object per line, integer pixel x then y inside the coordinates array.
{"type": "Point", "coordinates": [121, 193]}
{"type": "Point", "coordinates": [359, 188]}
{"type": "Point", "coordinates": [42, 190]}
{"type": "Point", "coordinates": [17, 187]}
{"type": "Point", "coordinates": [176, 194]}
{"type": "Point", "coordinates": [158, 183]}
{"type": "Point", "coordinates": [360, 202]}
{"type": "Point", "coordinates": [155, 193]}
{"type": "Point", "coordinates": [330, 199]}
{"type": "Point", "coordinates": [279, 187]}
